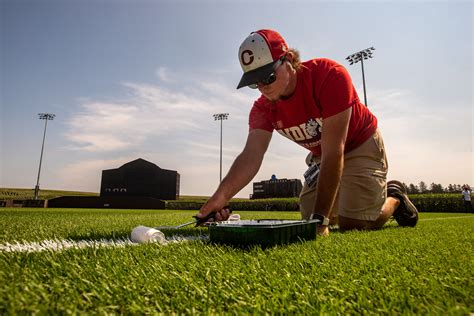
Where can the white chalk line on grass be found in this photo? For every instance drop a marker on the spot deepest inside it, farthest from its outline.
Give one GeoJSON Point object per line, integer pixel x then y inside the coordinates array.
{"type": "Point", "coordinates": [59, 245]}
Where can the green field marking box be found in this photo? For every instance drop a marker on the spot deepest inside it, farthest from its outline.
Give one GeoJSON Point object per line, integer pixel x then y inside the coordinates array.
{"type": "Point", "coordinates": [263, 232]}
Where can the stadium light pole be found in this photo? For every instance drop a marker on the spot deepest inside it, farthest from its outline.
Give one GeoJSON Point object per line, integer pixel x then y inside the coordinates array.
{"type": "Point", "coordinates": [46, 117]}
{"type": "Point", "coordinates": [220, 117]}
{"type": "Point", "coordinates": [360, 56]}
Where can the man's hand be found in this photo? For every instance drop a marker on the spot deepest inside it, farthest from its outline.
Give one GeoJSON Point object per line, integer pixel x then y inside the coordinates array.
{"type": "Point", "coordinates": [215, 204]}
{"type": "Point", "coordinates": [322, 230]}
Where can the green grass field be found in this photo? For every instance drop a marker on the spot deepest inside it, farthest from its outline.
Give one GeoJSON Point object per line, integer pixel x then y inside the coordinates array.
{"type": "Point", "coordinates": [25, 194]}
{"type": "Point", "coordinates": [425, 270]}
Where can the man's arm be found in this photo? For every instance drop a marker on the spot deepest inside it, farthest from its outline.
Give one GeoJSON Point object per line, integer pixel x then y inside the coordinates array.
{"type": "Point", "coordinates": [333, 141]}
{"type": "Point", "coordinates": [244, 168]}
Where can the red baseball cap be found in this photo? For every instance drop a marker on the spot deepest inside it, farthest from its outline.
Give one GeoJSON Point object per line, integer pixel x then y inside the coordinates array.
{"type": "Point", "coordinates": [258, 54]}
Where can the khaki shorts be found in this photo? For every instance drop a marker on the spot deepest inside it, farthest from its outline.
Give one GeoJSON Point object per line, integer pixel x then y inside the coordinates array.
{"type": "Point", "coordinates": [363, 186]}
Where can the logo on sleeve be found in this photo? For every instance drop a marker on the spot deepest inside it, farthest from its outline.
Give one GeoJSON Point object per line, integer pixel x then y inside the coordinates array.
{"type": "Point", "coordinates": [313, 127]}
{"type": "Point", "coordinates": [306, 134]}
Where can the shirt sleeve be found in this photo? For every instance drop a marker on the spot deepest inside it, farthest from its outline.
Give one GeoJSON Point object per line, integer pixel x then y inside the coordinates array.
{"type": "Point", "coordinates": [337, 92]}
{"type": "Point", "coordinates": [260, 117]}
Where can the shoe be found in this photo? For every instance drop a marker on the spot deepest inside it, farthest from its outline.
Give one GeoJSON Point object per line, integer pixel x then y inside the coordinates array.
{"type": "Point", "coordinates": [406, 213]}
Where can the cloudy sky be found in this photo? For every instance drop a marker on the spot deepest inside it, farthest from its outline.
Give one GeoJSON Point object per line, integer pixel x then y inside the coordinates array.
{"type": "Point", "coordinates": [141, 79]}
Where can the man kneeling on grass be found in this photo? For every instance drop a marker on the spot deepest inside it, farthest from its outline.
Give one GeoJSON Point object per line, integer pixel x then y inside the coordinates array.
{"type": "Point", "coordinates": [314, 104]}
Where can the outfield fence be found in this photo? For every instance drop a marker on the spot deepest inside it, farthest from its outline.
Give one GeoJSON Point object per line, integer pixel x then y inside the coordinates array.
{"type": "Point", "coordinates": [448, 202]}
{"type": "Point", "coordinates": [424, 203]}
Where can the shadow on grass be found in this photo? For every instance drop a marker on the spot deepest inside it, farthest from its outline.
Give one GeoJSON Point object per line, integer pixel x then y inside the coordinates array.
{"type": "Point", "coordinates": [266, 245]}
{"type": "Point", "coordinates": [193, 232]}
{"type": "Point", "coordinates": [185, 232]}
{"type": "Point", "coordinates": [257, 246]}
{"type": "Point", "coordinates": [125, 234]}
{"type": "Point", "coordinates": [94, 235]}
{"type": "Point", "coordinates": [391, 224]}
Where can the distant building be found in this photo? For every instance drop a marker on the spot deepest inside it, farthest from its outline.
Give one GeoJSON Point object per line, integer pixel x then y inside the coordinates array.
{"type": "Point", "coordinates": [140, 178]}
{"type": "Point", "coordinates": [138, 184]}
{"type": "Point", "coordinates": [276, 188]}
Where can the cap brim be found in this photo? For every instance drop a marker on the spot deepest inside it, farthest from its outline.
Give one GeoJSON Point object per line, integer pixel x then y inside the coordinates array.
{"type": "Point", "coordinates": [256, 75]}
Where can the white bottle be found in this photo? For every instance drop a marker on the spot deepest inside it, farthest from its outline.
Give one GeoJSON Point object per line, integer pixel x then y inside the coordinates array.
{"type": "Point", "coordinates": [143, 234]}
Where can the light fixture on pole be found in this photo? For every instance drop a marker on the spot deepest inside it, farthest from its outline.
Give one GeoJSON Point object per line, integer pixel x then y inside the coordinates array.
{"type": "Point", "coordinates": [360, 56]}
{"type": "Point", "coordinates": [220, 117]}
{"type": "Point", "coordinates": [46, 117]}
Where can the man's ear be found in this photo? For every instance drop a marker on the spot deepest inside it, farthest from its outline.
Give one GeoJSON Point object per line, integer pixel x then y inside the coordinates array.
{"type": "Point", "coordinates": [289, 59]}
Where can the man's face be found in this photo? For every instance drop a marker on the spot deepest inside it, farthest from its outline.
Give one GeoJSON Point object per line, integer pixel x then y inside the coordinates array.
{"type": "Point", "coordinates": [279, 87]}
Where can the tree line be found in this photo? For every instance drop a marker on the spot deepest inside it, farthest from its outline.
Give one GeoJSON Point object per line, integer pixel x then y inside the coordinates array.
{"type": "Point", "coordinates": [422, 187]}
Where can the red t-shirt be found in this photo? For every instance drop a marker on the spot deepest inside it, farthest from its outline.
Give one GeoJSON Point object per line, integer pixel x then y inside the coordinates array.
{"type": "Point", "coordinates": [323, 89]}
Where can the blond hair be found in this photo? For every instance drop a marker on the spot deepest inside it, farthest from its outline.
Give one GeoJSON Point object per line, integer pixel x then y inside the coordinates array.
{"type": "Point", "coordinates": [295, 60]}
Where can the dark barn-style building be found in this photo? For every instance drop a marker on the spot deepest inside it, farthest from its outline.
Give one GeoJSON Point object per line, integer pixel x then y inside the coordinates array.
{"type": "Point", "coordinates": [138, 184]}
{"type": "Point", "coordinates": [140, 178]}
{"type": "Point", "coordinates": [276, 188]}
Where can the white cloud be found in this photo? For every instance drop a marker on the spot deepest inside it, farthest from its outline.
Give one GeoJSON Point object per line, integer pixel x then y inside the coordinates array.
{"type": "Point", "coordinates": [408, 120]}
{"type": "Point", "coordinates": [150, 111]}
{"type": "Point", "coordinates": [85, 175]}
{"type": "Point", "coordinates": [424, 142]}
{"type": "Point", "coordinates": [164, 75]}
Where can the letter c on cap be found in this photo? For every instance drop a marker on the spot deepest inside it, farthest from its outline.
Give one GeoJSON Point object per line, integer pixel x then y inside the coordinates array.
{"type": "Point", "coordinates": [250, 57]}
